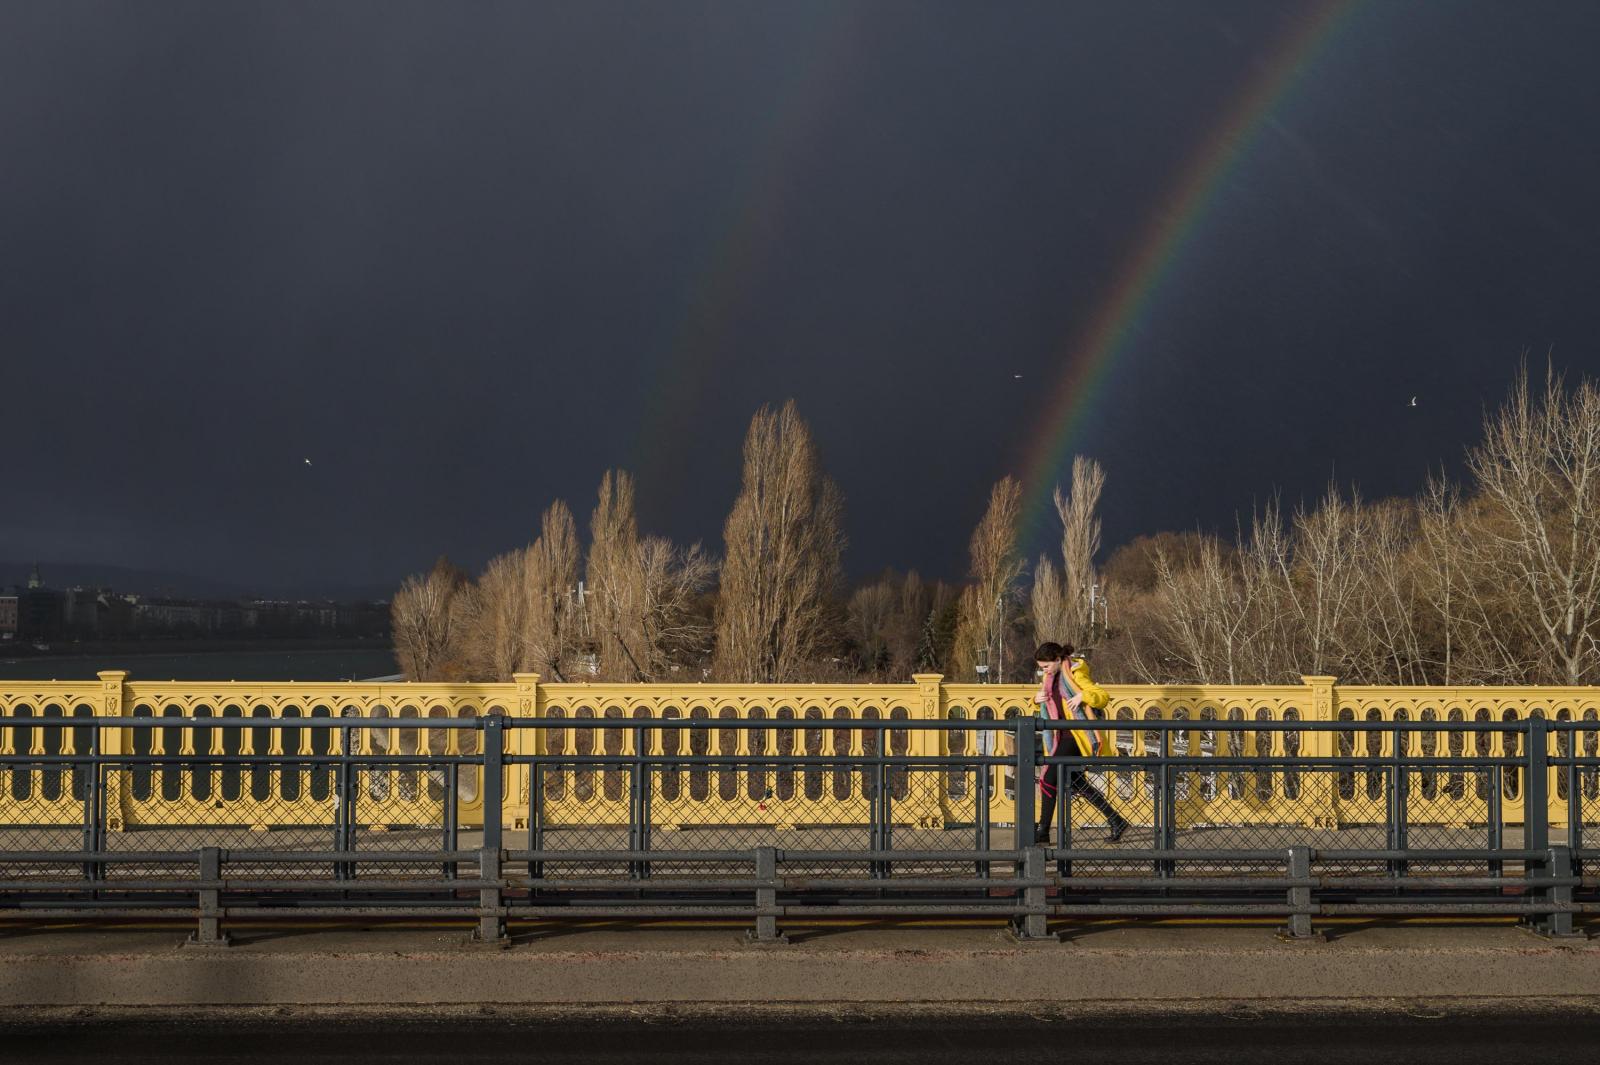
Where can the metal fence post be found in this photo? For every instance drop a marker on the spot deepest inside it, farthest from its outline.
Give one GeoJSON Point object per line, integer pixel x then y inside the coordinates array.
{"type": "Point", "coordinates": [1558, 924]}
{"type": "Point", "coordinates": [1536, 802]}
{"type": "Point", "coordinates": [1034, 925]}
{"type": "Point", "coordinates": [94, 825]}
{"type": "Point", "coordinates": [639, 807]}
{"type": "Point", "coordinates": [344, 833]}
{"type": "Point", "coordinates": [767, 897]}
{"type": "Point", "coordinates": [1165, 807]}
{"type": "Point", "coordinates": [208, 932]}
{"type": "Point", "coordinates": [1299, 926]}
{"type": "Point", "coordinates": [492, 924]}
{"type": "Point", "coordinates": [1025, 732]}
{"type": "Point", "coordinates": [1397, 800]}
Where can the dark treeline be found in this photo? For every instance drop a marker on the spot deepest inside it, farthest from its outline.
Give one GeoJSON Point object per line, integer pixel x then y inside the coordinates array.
{"type": "Point", "coordinates": [1495, 581]}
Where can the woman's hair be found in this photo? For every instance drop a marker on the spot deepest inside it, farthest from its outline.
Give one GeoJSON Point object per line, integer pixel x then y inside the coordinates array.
{"type": "Point", "coordinates": [1052, 652]}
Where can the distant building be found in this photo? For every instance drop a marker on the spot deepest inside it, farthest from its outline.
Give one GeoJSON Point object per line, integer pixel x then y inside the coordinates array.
{"type": "Point", "coordinates": [8, 617]}
{"type": "Point", "coordinates": [40, 610]}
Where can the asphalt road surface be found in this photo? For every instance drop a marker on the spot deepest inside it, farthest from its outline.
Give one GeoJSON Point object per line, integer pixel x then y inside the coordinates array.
{"type": "Point", "coordinates": [1227, 1037]}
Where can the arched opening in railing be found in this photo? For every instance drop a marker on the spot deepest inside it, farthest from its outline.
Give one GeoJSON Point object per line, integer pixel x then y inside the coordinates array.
{"type": "Point", "coordinates": [1264, 750]}
{"type": "Point", "coordinates": [1292, 739]}
{"type": "Point", "coordinates": [1124, 745]}
{"type": "Point", "coordinates": [260, 738]}
{"type": "Point", "coordinates": [899, 747]}
{"type": "Point", "coordinates": [322, 745]}
{"type": "Point", "coordinates": [727, 747]}
{"type": "Point", "coordinates": [699, 747]}
{"type": "Point", "coordinates": [378, 742]}
{"type": "Point", "coordinates": [200, 772]}
{"type": "Point", "coordinates": [1344, 746]}
{"type": "Point", "coordinates": [1428, 743]}
{"type": "Point", "coordinates": [232, 743]}
{"type": "Point", "coordinates": [553, 782]}
{"type": "Point", "coordinates": [1373, 740]}
{"type": "Point", "coordinates": [1591, 749]}
{"type": "Point", "coordinates": [841, 738]}
{"type": "Point", "coordinates": [171, 740]}
{"type": "Point", "coordinates": [786, 747]}
{"type": "Point", "coordinates": [757, 787]}
{"type": "Point", "coordinates": [1511, 743]}
{"type": "Point", "coordinates": [82, 743]}
{"type": "Point", "coordinates": [50, 741]}
{"type": "Point", "coordinates": [1208, 748]}
{"type": "Point", "coordinates": [1456, 747]}
{"type": "Point", "coordinates": [957, 741]}
{"type": "Point", "coordinates": [813, 748]}
{"type": "Point", "coordinates": [583, 745]}
{"type": "Point", "coordinates": [870, 739]}
{"type": "Point", "coordinates": [611, 740]}
{"type": "Point", "coordinates": [408, 740]}
{"type": "Point", "coordinates": [672, 744]}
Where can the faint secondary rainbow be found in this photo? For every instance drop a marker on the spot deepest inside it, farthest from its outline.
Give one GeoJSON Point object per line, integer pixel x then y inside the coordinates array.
{"type": "Point", "coordinates": [1094, 351]}
{"type": "Point", "coordinates": [745, 236]}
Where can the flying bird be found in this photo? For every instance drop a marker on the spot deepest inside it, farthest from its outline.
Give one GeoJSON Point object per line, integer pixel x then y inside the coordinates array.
{"type": "Point", "coordinates": [308, 461]}
{"type": "Point", "coordinates": [1413, 401]}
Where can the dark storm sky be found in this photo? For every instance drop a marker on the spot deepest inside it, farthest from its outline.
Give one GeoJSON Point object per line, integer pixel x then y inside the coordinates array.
{"type": "Point", "coordinates": [466, 256]}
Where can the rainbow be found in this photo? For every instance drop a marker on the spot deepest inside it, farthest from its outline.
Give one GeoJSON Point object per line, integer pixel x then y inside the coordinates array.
{"type": "Point", "coordinates": [1095, 350]}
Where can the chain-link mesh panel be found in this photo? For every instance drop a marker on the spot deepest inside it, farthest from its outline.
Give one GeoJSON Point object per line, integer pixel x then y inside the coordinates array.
{"type": "Point", "coordinates": [177, 806]}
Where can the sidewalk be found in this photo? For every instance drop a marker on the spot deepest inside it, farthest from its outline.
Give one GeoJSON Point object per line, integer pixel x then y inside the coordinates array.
{"type": "Point", "coordinates": [435, 966]}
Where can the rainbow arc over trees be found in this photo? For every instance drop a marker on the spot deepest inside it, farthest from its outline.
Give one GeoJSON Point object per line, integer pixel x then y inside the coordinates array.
{"type": "Point", "coordinates": [1094, 351]}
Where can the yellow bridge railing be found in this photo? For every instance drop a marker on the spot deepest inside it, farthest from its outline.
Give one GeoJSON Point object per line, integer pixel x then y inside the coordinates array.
{"type": "Point", "coordinates": [37, 718]}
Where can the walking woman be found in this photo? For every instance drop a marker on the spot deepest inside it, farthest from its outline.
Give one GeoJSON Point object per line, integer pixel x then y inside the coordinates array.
{"type": "Point", "coordinates": [1068, 693]}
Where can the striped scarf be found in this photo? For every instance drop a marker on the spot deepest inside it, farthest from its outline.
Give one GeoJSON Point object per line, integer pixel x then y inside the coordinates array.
{"type": "Point", "coordinates": [1054, 706]}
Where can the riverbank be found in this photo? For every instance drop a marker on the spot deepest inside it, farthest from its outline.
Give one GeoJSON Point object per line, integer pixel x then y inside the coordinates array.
{"type": "Point", "coordinates": [266, 660]}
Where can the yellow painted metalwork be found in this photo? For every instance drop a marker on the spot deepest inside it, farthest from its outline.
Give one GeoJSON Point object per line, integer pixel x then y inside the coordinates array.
{"type": "Point", "coordinates": [689, 797]}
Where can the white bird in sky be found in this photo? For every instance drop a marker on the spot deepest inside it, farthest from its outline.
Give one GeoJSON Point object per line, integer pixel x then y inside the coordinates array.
{"type": "Point", "coordinates": [1413, 401]}
{"type": "Point", "coordinates": [308, 461]}
{"type": "Point", "coordinates": [1016, 377]}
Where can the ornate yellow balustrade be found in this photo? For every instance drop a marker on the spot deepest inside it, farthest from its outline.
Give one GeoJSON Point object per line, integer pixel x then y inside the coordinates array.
{"type": "Point", "coordinates": [41, 715]}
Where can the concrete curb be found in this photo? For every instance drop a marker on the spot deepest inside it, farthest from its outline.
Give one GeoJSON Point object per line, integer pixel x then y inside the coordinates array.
{"type": "Point", "coordinates": [928, 967]}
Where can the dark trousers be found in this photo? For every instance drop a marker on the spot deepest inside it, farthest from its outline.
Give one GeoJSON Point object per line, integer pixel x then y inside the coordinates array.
{"type": "Point", "coordinates": [1050, 786]}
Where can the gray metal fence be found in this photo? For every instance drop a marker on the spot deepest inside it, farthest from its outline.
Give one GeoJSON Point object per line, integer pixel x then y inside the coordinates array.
{"type": "Point", "coordinates": [1416, 834]}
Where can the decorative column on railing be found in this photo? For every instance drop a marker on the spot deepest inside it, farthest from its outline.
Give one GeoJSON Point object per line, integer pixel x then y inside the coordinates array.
{"type": "Point", "coordinates": [928, 743]}
{"type": "Point", "coordinates": [1323, 707]}
{"type": "Point", "coordinates": [529, 702]}
{"type": "Point", "coordinates": [112, 704]}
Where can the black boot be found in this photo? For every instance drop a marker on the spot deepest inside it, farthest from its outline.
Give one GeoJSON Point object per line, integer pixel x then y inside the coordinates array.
{"type": "Point", "coordinates": [1119, 825]}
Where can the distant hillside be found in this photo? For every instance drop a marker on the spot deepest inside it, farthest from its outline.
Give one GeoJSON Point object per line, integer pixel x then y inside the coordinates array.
{"type": "Point", "coordinates": [172, 584]}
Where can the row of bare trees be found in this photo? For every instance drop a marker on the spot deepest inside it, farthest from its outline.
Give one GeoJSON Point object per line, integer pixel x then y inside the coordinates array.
{"type": "Point", "coordinates": [1496, 581]}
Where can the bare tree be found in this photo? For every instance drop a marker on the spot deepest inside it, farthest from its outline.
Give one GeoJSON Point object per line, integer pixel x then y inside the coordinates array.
{"type": "Point", "coordinates": [1047, 603]}
{"type": "Point", "coordinates": [1079, 511]}
{"type": "Point", "coordinates": [615, 577]}
{"type": "Point", "coordinates": [671, 579]}
{"type": "Point", "coordinates": [784, 543]}
{"type": "Point", "coordinates": [1539, 468]}
{"type": "Point", "coordinates": [871, 612]}
{"type": "Point", "coordinates": [422, 617]}
{"type": "Point", "coordinates": [1323, 585]}
{"type": "Point", "coordinates": [553, 626]}
{"type": "Point", "coordinates": [493, 618]}
{"type": "Point", "coordinates": [986, 604]}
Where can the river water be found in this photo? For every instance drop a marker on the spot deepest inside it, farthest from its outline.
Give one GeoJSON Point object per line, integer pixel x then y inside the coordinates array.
{"type": "Point", "coordinates": [285, 664]}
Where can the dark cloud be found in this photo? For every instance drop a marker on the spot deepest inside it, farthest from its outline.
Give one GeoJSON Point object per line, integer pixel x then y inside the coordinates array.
{"type": "Point", "coordinates": [467, 256]}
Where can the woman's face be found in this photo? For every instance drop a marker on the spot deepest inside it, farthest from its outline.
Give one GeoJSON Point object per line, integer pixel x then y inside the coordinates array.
{"type": "Point", "coordinates": [1047, 669]}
